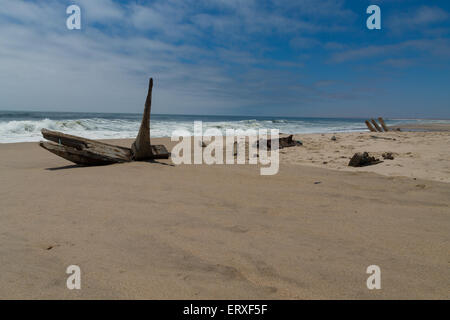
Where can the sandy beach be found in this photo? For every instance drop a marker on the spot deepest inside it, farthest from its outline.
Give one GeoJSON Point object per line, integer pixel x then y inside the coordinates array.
{"type": "Point", "coordinates": [157, 231]}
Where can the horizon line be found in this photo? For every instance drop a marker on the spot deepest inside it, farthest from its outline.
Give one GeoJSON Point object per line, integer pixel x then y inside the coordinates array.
{"type": "Point", "coordinates": [229, 115]}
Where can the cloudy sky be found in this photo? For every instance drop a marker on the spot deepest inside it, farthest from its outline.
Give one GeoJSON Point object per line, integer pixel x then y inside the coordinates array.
{"type": "Point", "coordinates": [266, 57]}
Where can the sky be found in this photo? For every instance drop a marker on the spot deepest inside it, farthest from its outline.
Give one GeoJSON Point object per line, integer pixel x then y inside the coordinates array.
{"type": "Point", "coordinates": [302, 58]}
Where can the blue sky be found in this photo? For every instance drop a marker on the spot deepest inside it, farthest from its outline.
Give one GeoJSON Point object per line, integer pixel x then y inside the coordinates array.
{"type": "Point", "coordinates": [231, 57]}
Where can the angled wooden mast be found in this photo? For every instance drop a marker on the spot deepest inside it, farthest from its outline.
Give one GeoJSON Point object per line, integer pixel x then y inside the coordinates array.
{"type": "Point", "coordinates": [141, 148]}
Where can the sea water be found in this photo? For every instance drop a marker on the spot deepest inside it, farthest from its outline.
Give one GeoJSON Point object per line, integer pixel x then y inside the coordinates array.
{"type": "Point", "coordinates": [23, 126]}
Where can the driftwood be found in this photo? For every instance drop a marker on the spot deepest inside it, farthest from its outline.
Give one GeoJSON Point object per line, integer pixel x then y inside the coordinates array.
{"type": "Point", "coordinates": [362, 159]}
{"type": "Point", "coordinates": [374, 127]}
{"type": "Point", "coordinates": [84, 151]}
{"type": "Point", "coordinates": [375, 124]}
{"type": "Point", "coordinates": [380, 119]}
{"type": "Point", "coordinates": [376, 137]}
{"type": "Point", "coordinates": [283, 142]}
{"type": "Point", "coordinates": [388, 156]}
{"type": "Point", "coordinates": [90, 152]}
{"type": "Point", "coordinates": [369, 125]}
{"type": "Point", "coordinates": [141, 148]}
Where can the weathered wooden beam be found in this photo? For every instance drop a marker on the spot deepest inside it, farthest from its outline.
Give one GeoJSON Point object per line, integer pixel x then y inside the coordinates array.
{"type": "Point", "coordinates": [112, 152]}
{"type": "Point", "coordinates": [380, 119]}
{"type": "Point", "coordinates": [141, 148]}
{"type": "Point", "coordinates": [376, 125]}
{"type": "Point", "coordinates": [84, 156]}
{"type": "Point", "coordinates": [369, 125]}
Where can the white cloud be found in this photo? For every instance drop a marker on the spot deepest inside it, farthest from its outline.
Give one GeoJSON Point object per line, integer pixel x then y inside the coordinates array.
{"type": "Point", "coordinates": [420, 19]}
{"type": "Point", "coordinates": [435, 47]}
{"type": "Point", "coordinates": [399, 62]}
{"type": "Point", "coordinates": [45, 66]}
{"type": "Point", "coordinates": [101, 11]}
{"type": "Point", "coordinates": [105, 66]}
{"type": "Point", "coordinates": [304, 43]}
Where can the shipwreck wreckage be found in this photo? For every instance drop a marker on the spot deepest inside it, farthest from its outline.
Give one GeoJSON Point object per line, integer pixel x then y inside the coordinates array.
{"type": "Point", "coordinates": [94, 153]}
{"type": "Point", "coordinates": [88, 152]}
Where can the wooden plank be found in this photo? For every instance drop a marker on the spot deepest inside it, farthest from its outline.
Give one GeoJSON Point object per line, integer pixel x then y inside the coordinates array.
{"type": "Point", "coordinates": [68, 139]}
{"type": "Point", "coordinates": [380, 119]}
{"type": "Point", "coordinates": [369, 125]}
{"type": "Point", "coordinates": [86, 157]}
{"type": "Point", "coordinates": [121, 154]}
{"type": "Point", "coordinates": [375, 124]}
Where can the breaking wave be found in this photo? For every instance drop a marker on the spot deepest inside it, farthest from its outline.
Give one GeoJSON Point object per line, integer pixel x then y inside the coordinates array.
{"type": "Point", "coordinates": [26, 126]}
{"type": "Point", "coordinates": [98, 128]}
{"type": "Point", "coordinates": [30, 130]}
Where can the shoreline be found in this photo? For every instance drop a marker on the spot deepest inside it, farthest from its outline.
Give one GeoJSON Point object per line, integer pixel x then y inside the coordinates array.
{"type": "Point", "coordinates": [417, 154]}
{"type": "Point", "coordinates": [28, 129]}
{"type": "Point", "coordinates": [441, 127]}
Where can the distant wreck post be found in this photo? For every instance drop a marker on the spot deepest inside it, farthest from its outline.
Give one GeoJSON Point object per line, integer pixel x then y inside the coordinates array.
{"type": "Point", "coordinates": [375, 127]}
{"type": "Point", "coordinates": [369, 125]}
{"type": "Point", "coordinates": [93, 153]}
{"type": "Point", "coordinates": [375, 124]}
{"type": "Point", "coordinates": [383, 125]}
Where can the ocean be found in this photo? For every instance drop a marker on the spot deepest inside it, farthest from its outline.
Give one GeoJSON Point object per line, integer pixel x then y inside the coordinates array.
{"type": "Point", "coordinates": [24, 126]}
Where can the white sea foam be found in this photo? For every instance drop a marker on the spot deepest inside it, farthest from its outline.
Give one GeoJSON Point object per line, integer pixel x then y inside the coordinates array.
{"type": "Point", "coordinates": [12, 130]}
{"type": "Point", "coordinates": [30, 130]}
{"type": "Point", "coordinates": [97, 128]}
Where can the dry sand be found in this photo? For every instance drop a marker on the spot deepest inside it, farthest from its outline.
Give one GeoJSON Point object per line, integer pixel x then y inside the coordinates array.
{"type": "Point", "coordinates": [424, 155]}
{"type": "Point", "coordinates": [158, 231]}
